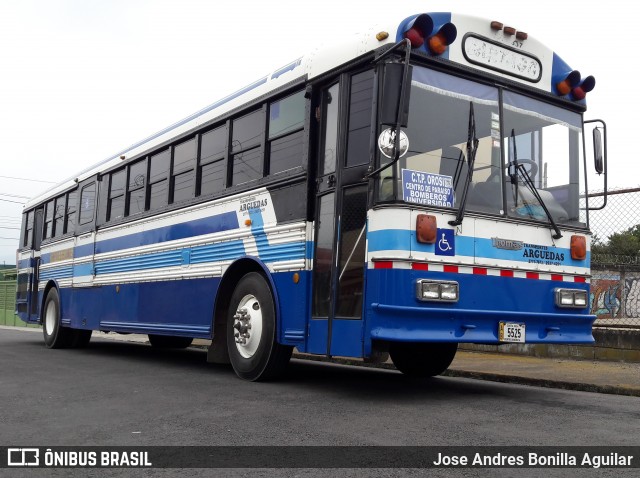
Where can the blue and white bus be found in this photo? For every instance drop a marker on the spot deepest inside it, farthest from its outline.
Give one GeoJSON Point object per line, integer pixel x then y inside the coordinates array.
{"type": "Point", "coordinates": [419, 187]}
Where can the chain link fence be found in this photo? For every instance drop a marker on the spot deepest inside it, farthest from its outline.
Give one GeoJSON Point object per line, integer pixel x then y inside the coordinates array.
{"type": "Point", "coordinates": [615, 258]}
{"type": "Point", "coordinates": [8, 299]}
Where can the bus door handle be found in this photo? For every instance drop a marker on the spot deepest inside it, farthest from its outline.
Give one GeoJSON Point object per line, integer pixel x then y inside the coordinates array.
{"type": "Point", "coordinates": [331, 180]}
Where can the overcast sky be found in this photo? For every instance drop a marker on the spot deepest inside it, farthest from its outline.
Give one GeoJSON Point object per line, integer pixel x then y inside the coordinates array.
{"type": "Point", "coordinates": [81, 79]}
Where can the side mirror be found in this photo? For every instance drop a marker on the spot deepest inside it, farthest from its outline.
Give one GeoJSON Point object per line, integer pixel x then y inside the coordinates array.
{"type": "Point", "coordinates": [599, 133]}
{"type": "Point", "coordinates": [598, 156]}
{"type": "Point", "coordinates": [391, 90]}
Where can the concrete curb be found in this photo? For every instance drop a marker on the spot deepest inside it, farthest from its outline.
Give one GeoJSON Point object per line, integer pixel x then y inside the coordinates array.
{"type": "Point", "coordinates": [491, 377]}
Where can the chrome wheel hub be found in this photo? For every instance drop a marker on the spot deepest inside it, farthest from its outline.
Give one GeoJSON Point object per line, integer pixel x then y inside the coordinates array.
{"type": "Point", "coordinates": [247, 324]}
{"type": "Point", "coordinates": [50, 318]}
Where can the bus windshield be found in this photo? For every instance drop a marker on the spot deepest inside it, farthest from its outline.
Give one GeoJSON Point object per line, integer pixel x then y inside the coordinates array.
{"type": "Point", "coordinates": [447, 114]}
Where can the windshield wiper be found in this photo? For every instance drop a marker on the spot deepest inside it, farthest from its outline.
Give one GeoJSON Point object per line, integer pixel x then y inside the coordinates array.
{"type": "Point", "coordinates": [519, 169]}
{"type": "Point", "coordinates": [472, 149]}
{"type": "Point", "coordinates": [529, 183]}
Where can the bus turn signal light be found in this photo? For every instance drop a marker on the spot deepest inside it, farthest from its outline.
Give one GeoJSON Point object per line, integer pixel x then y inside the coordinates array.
{"type": "Point", "coordinates": [565, 86]}
{"type": "Point", "coordinates": [580, 91]}
{"type": "Point", "coordinates": [426, 229]}
{"type": "Point", "coordinates": [578, 248]}
{"type": "Point", "coordinates": [422, 30]}
{"type": "Point", "coordinates": [439, 42]}
{"type": "Point", "coordinates": [418, 30]}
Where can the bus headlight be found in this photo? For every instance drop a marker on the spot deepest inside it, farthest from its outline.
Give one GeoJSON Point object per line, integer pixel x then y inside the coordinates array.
{"type": "Point", "coordinates": [571, 298]}
{"type": "Point", "coordinates": [440, 291]}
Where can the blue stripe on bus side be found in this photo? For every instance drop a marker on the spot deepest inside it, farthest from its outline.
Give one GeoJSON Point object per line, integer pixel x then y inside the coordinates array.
{"type": "Point", "coordinates": [197, 255]}
{"type": "Point", "coordinates": [64, 272]}
{"type": "Point", "coordinates": [404, 240]}
{"type": "Point", "coordinates": [208, 225]}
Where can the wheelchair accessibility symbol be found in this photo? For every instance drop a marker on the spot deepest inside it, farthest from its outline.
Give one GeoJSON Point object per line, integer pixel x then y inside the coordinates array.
{"type": "Point", "coordinates": [446, 243]}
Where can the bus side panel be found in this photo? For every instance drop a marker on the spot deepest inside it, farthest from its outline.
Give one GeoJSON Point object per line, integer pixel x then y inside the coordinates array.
{"type": "Point", "coordinates": [172, 307]}
{"type": "Point", "coordinates": [294, 307]}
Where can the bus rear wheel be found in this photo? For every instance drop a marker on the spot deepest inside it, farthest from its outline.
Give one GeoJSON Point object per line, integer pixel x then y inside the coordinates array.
{"type": "Point", "coordinates": [254, 351]}
{"type": "Point", "coordinates": [169, 342]}
{"type": "Point", "coordinates": [55, 335]}
{"type": "Point", "coordinates": [422, 360]}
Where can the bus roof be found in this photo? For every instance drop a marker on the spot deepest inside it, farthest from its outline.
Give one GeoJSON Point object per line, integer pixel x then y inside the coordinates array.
{"type": "Point", "coordinates": [474, 42]}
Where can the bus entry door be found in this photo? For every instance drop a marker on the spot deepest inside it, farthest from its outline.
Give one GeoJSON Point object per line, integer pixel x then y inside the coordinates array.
{"type": "Point", "coordinates": [340, 218]}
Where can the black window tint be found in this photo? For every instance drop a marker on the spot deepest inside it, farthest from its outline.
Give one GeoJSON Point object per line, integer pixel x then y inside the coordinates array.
{"type": "Point", "coordinates": [184, 156]}
{"type": "Point", "coordinates": [213, 177]}
{"type": "Point", "coordinates": [28, 235]}
{"type": "Point", "coordinates": [70, 216]}
{"type": "Point", "coordinates": [159, 166]}
{"type": "Point", "coordinates": [286, 152]}
{"type": "Point", "coordinates": [247, 131]}
{"type": "Point", "coordinates": [116, 207]}
{"type": "Point", "coordinates": [213, 145]}
{"type": "Point", "coordinates": [158, 195]}
{"type": "Point", "coordinates": [116, 195]}
{"type": "Point", "coordinates": [136, 189]}
{"type": "Point", "coordinates": [183, 186]}
{"type": "Point", "coordinates": [136, 201]}
{"type": "Point", "coordinates": [87, 203]}
{"type": "Point", "coordinates": [158, 183]}
{"type": "Point", "coordinates": [331, 105]}
{"type": "Point", "coordinates": [58, 216]}
{"type": "Point", "coordinates": [360, 105]}
{"type": "Point", "coordinates": [137, 175]}
{"type": "Point", "coordinates": [286, 115]}
{"type": "Point", "coordinates": [247, 166]}
{"type": "Point", "coordinates": [48, 220]}
{"type": "Point", "coordinates": [117, 183]}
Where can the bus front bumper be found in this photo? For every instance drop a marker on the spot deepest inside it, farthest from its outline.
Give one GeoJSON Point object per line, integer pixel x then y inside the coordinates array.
{"type": "Point", "coordinates": [439, 324]}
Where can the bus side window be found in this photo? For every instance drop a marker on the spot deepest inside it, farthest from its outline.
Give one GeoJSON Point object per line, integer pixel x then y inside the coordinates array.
{"type": "Point", "coordinates": [360, 106]}
{"type": "Point", "coordinates": [183, 174]}
{"type": "Point", "coordinates": [115, 208]}
{"type": "Point", "coordinates": [135, 187]}
{"type": "Point", "coordinates": [28, 231]}
{"type": "Point", "coordinates": [87, 203]}
{"type": "Point", "coordinates": [158, 172]}
{"type": "Point", "coordinates": [248, 159]}
{"type": "Point", "coordinates": [286, 121]}
{"type": "Point", "coordinates": [70, 214]}
{"type": "Point", "coordinates": [58, 216]}
{"type": "Point", "coordinates": [213, 148]}
{"type": "Point", "coordinates": [47, 231]}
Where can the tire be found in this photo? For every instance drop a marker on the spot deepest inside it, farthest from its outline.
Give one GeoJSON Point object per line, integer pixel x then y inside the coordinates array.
{"type": "Point", "coordinates": [251, 331]}
{"type": "Point", "coordinates": [55, 335]}
{"type": "Point", "coordinates": [169, 342]}
{"type": "Point", "coordinates": [422, 360]}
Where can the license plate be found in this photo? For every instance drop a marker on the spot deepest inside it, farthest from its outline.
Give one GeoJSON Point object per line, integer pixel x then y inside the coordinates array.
{"type": "Point", "coordinates": [511, 332]}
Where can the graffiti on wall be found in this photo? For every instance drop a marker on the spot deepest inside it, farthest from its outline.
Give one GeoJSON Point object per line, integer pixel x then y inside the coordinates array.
{"type": "Point", "coordinates": [614, 297]}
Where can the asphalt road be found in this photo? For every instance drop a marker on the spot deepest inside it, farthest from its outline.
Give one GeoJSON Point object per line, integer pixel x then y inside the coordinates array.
{"type": "Point", "coordinates": [119, 393]}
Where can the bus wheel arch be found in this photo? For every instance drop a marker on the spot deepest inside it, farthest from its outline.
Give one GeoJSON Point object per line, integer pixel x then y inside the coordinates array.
{"type": "Point", "coordinates": [247, 286]}
{"type": "Point", "coordinates": [217, 352]}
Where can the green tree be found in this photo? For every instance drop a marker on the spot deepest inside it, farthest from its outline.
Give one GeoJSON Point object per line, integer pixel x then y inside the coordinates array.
{"type": "Point", "coordinates": [625, 243]}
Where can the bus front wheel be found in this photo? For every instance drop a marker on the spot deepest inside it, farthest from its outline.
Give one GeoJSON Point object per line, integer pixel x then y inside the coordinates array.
{"type": "Point", "coordinates": [422, 359]}
{"type": "Point", "coordinates": [254, 351]}
{"type": "Point", "coordinates": [55, 335]}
